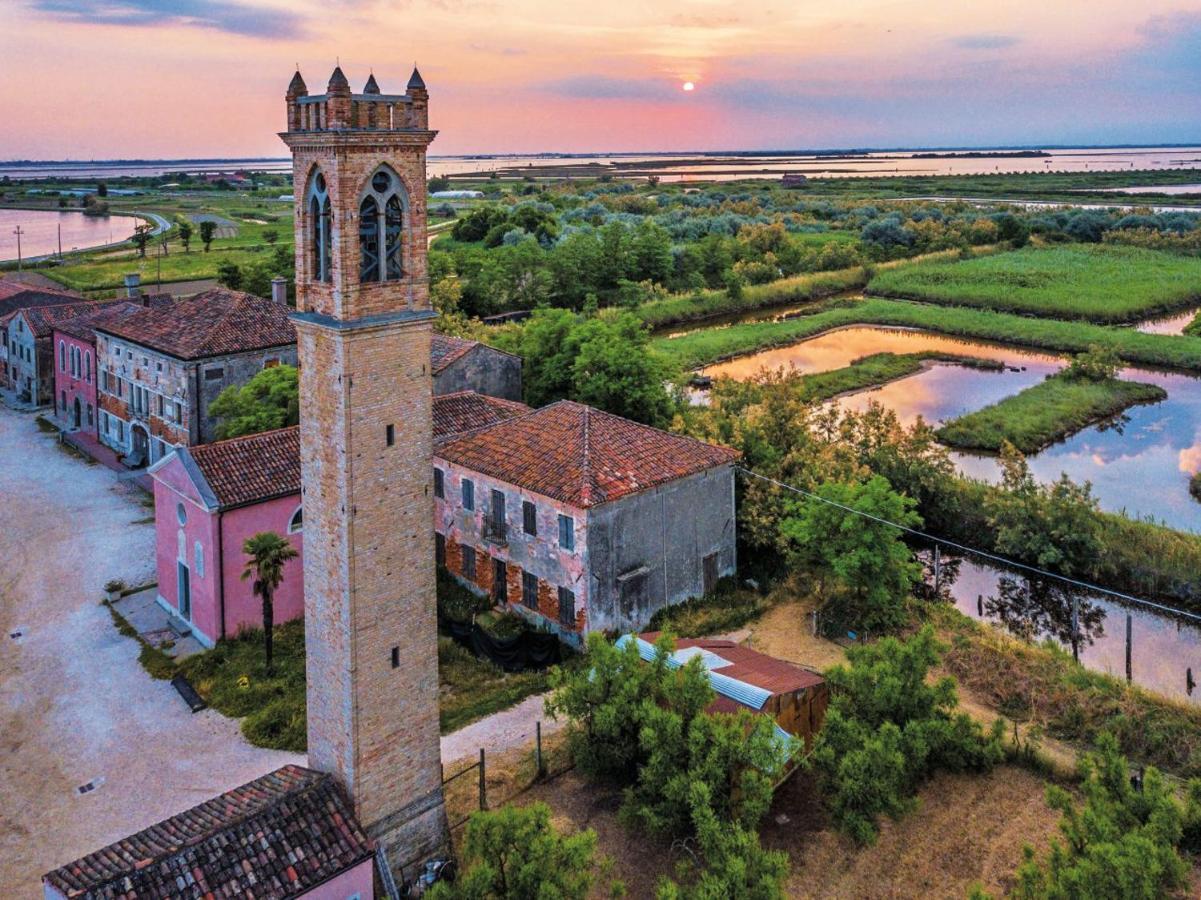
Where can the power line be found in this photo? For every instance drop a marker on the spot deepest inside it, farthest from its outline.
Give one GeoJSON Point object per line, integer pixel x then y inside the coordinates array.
{"type": "Point", "coordinates": [1042, 573]}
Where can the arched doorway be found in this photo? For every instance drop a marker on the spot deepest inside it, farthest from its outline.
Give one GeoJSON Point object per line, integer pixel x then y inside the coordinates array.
{"type": "Point", "coordinates": [78, 414]}
{"type": "Point", "coordinates": [140, 454]}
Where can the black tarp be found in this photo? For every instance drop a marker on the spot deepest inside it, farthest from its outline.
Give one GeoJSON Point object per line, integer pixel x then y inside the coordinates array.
{"type": "Point", "coordinates": [529, 650]}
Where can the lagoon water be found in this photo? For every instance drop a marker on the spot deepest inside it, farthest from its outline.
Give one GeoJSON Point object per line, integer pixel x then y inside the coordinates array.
{"type": "Point", "coordinates": [40, 231]}
{"type": "Point", "coordinates": [1140, 463]}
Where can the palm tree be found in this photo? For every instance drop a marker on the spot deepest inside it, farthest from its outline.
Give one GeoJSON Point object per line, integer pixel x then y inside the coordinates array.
{"type": "Point", "coordinates": [267, 553]}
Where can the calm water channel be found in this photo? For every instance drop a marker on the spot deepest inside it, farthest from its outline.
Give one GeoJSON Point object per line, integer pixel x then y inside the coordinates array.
{"type": "Point", "coordinates": [1140, 463]}
{"type": "Point", "coordinates": [1162, 648]}
{"type": "Point", "coordinates": [40, 231]}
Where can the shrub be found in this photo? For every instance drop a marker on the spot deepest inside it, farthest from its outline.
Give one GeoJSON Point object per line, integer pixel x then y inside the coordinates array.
{"type": "Point", "coordinates": [887, 729]}
{"type": "Point", "coordinates": [1095, 364]}
{"type": "Point", "coordinates": [1124, 843]}
{"type": "Point", "coordinates": [514, 852]}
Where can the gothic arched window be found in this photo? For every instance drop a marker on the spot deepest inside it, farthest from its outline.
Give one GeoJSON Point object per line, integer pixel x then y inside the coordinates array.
{"type": "Point", "coordinates": [321, 237]}
{"type": "Point", "coordinates": [382, 215]}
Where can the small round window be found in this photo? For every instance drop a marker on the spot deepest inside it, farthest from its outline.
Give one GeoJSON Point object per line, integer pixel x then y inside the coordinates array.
{"type": "Point", "coordinates": [181, 513]}
{"type": "Point", "coordinates": [381, 182]}
{"type": "Point", "coordinates": [320, 182]}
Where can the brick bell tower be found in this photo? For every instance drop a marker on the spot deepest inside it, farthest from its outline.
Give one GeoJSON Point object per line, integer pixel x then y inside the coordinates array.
{"type": "Point", "coordinates": [363, 322]}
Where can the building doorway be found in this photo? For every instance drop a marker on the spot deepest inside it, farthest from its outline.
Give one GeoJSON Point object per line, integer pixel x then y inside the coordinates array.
{"type": "Point", "coordinates": [709, 573]}
{"type": "Point", "coordinates": [185, 591]}
{"type": "Point", "coordinates": [499, 578]}
{"type": "Point", "coordinates": [140, 453]}
{"type": "Point", "coordinates": [78, 414]}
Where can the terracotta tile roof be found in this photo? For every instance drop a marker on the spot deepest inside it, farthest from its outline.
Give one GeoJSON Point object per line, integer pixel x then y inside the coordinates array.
{"type": "Point", "coordinates": [44, 319]}
{"type": "Point", "coordinates": [278, 836]}
{"type": "Point", "coordinates": [445, 349]}
{"type": "Point", "coordinates": [263, 466]}
{"type": "Point", "coordinates": [83, 326]}
{"type": "Point", "coordinates": [211, 323]}
{"type": "Point", "coordinates": [15, 295]}
{"type": "Point", "coordinates": [580, 455]}
{"type": "Point", "coordinates": [253, 468]}
{"type": "Point", "coordinates": [455, 414]}
{"type": "Point", "coordinates": [749, 666]}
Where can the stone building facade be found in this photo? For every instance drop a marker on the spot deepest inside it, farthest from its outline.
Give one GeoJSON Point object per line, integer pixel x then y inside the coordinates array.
{"type": "Point", "coordinates": [160, 369]}
{"type": "Point", "coordinates": [584, 521]}
{"type": "Point", "coordinates": [363, 324]}
{"type": "Point", "coordinates": [31, 350]}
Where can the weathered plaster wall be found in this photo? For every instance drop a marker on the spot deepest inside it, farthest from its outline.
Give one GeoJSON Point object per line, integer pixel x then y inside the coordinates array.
{"type": "Point", "coordinates": [483, 370]}
{"type": "Point", "coordinates": [539, 554]}
{"type": "Point", "coordinates": [81, 386]}
{"type": "Point", "coordinates": [667, 531]}
{"type": "Point", "coordinates": [242, 608]}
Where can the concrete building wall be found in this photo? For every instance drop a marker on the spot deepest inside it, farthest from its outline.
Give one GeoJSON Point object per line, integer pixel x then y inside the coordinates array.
{"type": "Point", "coordinates": [648, 550]}
{"type": "Point", "coordinates": [72, 384]}
{"type": "Point", "coordinates": [539, 554]}
{"type": "Point", "coordinates": [484, 370]}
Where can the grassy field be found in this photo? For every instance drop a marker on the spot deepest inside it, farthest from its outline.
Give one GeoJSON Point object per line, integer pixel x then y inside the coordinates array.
{"type": "Point", "coordinates": [701, 348]}
{"type": "Point", "coordinates": [1193, 328]}
{"type": "Point", "coordinates": [472, 688]}
{"type": "Point", "coordinates": [1048, 412]}
{"type": "Point", "coordinates": [1105, 283]}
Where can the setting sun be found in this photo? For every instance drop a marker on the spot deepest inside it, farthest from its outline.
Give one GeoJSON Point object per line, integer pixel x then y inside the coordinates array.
{"type": "Point", "coordinates": [689, 86]}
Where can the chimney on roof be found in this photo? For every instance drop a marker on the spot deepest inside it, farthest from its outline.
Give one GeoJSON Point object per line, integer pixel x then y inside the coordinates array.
{"type": "Point", "coordinates": [279, 291]}
{"type": "Point", "coordinates": [133, 285]}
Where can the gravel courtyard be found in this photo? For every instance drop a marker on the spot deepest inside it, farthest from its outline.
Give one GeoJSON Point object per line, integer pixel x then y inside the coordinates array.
{"type": "Point", "coordinates": [75, 705]}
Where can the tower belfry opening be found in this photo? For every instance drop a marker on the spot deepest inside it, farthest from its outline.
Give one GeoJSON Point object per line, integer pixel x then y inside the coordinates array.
{"type": "Point", "coordinates": [363, 324]}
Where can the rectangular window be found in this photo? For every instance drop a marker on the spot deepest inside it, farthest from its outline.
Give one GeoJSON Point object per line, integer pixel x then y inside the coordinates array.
{"type": "Point", "coordinates": [120, 387]}
{"type": "Point", "coordinates": [199, 560]}
{"type": "Point", "coordinates": [160, 405]}
{"type": "Point", "coordinates": [566, 607]}
{"type": "Point", "coordinates": [178, 412]}
{"type": "Point", "coordinates": [439, 483]}
{"type": "Point", "coordinates": [496, 517]}
{"type": "Point", "coordinates": [120, 431]}
{"type": "Point", "coordinates": [468, 491]}
{"type": "Point", "coordinates": [567, 532]}
{"type": "Point", "coordinates": [91, 415]}
{"type": "Point", "coordinates": [216, 373]}
{"type": "Point", "coordinates": [469, 563]}
{"type": "Point", "coordinates": [104, 380]}
{"type": "Point", "coordinates": [390, 435]}
{"type": "Point", "coordinates": [104, 422]}
{"type": "Point", "coordinates": [529, 590]}
{"type": "Point", "coordinates": [529, 517]}
{"type": "Point", "coordinates": [440, 549]}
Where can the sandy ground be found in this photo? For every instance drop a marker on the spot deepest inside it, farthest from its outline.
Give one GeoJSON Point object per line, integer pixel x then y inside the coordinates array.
{"type": "Point", "coordinates": [74, 703]}
{"type": "Point", "coordinates": [510, 728]}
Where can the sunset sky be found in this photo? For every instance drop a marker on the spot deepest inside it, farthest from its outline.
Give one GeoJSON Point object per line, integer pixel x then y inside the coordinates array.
{"type": "Point", "coordinates": [99, 79]}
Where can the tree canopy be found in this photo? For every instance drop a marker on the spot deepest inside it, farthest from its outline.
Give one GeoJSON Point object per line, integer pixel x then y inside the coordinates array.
{"type": "Point", "coordinates": [271, 399]}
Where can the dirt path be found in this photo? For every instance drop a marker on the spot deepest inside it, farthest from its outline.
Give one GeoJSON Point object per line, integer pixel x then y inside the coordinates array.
{"type": "Point", "coordinates": [74, 703]}
{"type": "Point", "coordinates": [508, 729]}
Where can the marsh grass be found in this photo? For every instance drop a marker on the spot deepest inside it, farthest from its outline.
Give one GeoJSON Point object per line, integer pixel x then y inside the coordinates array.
{"type": "Point", "coordinates": [1045, 413]}
{"type": "Point", "coordinates": [1103, 283]}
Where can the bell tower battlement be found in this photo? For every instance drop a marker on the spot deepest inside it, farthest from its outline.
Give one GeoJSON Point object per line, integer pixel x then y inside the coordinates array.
{"type": "Point", "coordinates": [363, 323]}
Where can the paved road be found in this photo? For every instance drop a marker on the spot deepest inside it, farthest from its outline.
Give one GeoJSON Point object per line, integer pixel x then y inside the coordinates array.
{"type": "Point", "coordinates": [509, 728]}
{"type": "Point", "coordinates": [74, 703]}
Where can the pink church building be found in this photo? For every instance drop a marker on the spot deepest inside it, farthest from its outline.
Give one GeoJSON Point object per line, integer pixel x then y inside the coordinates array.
{"type": "Point", "coordinates": [208, 499]}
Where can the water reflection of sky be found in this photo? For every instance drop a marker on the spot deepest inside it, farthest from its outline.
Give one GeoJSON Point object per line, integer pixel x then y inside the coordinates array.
{"type": "Point", "coordinates": [1162, 648]}
{"type": "Point", "coordinates": [1173, 324]}
{"type": "Point", "coordinates": [1141, 464]}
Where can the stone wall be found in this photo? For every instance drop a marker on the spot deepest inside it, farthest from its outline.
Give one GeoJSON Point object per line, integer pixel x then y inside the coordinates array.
{"type": "Point", "coordinates": [485, 370]}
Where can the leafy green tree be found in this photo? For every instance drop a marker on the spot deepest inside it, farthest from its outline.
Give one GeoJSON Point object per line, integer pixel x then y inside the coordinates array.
{"type": "Point", "coordinates": [607, 703]}
{"type": "Point", "coordinates": [888, 728]}
{"type": "Point", "coordinates": [267, 553]}
{"type": "Point", "coordinates": [208, 229]}
{"type": "Point", "coordinates": [1053, 526]}
{"type": "Point", "coordinates": [865, 570]}
{"type": "Point", "coordinates": [438, 183]}
{"type": "Point", "coordinates": [735, 865]}
{"type": "Point", "coordinates": [616, 370]}
{"type": "Point", "coordinates": [1124, 844]}
{"type": "Point", "coordinates": [185, 234]}
{"type": "Point", "coordinates": [229, 274]}
{"type": "Point", "coordinates": [101, 189]}
{"type": "Point", "coordinates": [271, 399]}
{"type": "Point", "coordinates": [514, 853]}
{"type": "Point", "coordinates": [270, 235]}
{"type": "Point", "coordinates": [141, 237]}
